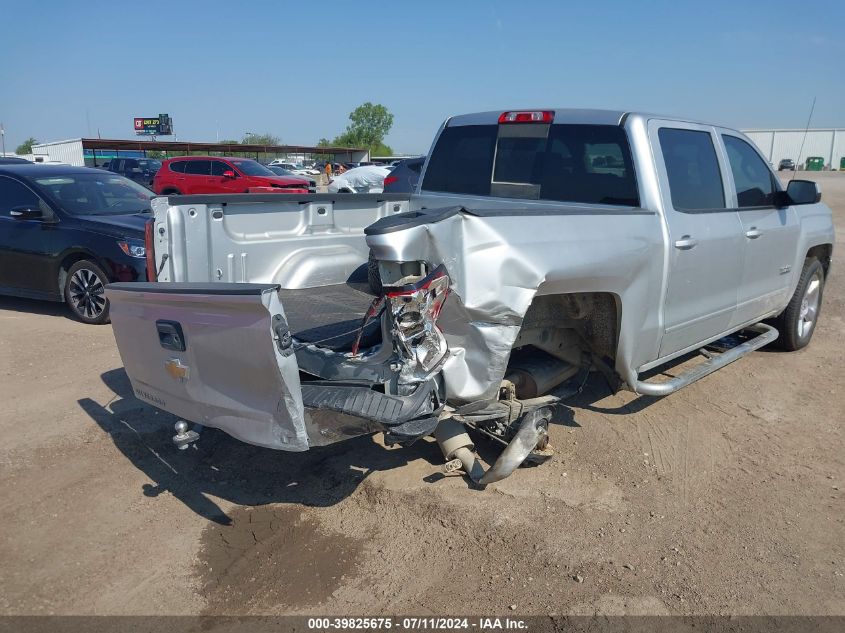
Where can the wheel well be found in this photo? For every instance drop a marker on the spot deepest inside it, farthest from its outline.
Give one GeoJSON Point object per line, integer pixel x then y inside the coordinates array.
{"type": "Point", "coordinates": [823, 253]}
{"type": "Point", "coordinates": [567, 325]}
{"type": "Point", "coordinates": [70, 260]}
{"type": "Point", "coordinates": [170, 191]}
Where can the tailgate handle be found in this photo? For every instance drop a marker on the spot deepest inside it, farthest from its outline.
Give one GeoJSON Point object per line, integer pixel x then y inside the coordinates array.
{"type": "Point", "coordinates": [170, 335]}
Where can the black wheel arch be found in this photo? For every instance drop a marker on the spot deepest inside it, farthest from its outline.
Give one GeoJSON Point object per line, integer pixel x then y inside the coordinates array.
{"type": "Point", "coordinates": [71, 256]}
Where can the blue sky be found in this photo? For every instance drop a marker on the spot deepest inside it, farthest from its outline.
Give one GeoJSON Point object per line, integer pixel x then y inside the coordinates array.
{"type": "Point", "coordinates": [297, 69]}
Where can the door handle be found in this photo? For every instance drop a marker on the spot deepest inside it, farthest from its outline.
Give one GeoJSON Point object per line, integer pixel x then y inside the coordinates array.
{"type": "Point", "coordinates": [685, 243]}
{"type": "Point", "coordinates": [753, 233]}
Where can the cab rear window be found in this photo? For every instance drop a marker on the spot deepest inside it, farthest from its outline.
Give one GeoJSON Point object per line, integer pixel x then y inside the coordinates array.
{"type": "Point", "coordinates": [567, 163]}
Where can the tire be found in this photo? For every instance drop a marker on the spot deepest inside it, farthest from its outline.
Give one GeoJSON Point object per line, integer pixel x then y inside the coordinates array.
{"type": "Point", "coordinates": [373, 276]}
{"type": "Point", "coordinates": [84, 292]}
{"type": "Point", "coordinates": [797, 322]}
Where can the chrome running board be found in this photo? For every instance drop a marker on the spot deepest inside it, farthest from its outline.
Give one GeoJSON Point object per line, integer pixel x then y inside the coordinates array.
{"type": "Point", "coordinates": [766, 334]}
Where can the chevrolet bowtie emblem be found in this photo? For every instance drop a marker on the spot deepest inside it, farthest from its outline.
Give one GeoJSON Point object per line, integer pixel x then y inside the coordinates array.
{"type": "Point", "coordinates": [177, 370]}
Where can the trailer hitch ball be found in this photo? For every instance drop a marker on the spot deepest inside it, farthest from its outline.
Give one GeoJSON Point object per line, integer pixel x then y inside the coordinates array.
{"type": "Point", "coordinates": [183, 436]}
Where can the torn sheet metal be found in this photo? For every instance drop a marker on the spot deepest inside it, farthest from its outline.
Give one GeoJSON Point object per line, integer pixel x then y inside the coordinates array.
{"type": "Point", "coordinates": [499, 260]}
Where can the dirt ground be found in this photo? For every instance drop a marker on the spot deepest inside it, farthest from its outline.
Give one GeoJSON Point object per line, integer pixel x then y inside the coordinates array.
{"type": "Point", "coordinates": [724, 498]}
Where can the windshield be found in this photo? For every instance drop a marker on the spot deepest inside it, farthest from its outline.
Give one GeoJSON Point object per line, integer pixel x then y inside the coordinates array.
{"type": "Point", "coordinates": [251, 168]}
{"type": "Point", "coordinates": [281, 171]}
{"type": "Point", "coordinates": [97, 193]}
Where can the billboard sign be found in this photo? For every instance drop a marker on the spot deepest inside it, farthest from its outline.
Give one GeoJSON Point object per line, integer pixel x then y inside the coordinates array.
{"type": "Point", "coordinates": [153, 126]}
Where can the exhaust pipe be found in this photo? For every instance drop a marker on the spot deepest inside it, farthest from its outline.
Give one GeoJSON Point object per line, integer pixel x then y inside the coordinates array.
{"type": "Point", "coordinates": [457, 445]}
{"type": "Point", "coordinates": [534, 428]}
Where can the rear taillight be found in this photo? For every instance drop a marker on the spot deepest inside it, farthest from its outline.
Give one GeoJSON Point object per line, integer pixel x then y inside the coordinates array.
{"type": "Point", "coordinates": [390, 180]}
{"type": "Point", "coordinates": [149, 246]}
{"type": "Point", "coordinates": [414, 310]}
{"type": "Point", "coordinates": [529, 116]}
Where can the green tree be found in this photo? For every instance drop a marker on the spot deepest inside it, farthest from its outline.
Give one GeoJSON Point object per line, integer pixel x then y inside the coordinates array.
{"type": "Point", "coordinates": [369, 124]}
{"type": "Point", "coordinates": [324, 142]}
{"type": "Point", "coordinates": [230, 142]}
{"type": "Point", "coordinates": [26, 146]}
{"type": "Point", "coordinates": [261, 139]}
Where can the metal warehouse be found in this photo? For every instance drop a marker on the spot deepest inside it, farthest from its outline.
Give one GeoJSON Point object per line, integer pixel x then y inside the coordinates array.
{"type": "Point", "coordinates": [825, 143]}
{"type": "Point", "coordinates": [94, 152]}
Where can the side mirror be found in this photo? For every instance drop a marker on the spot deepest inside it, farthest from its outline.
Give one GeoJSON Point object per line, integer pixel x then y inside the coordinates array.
{"type": "Point", "coordinates": [228, 174]}
{"type": "Point", "coordinates": [803, 192]}
{"type": "Point", "coordinates": [26, 213]}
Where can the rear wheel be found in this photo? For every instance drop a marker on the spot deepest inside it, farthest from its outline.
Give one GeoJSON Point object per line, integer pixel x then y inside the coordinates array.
{"type": "Point", "coordinates": [797, 322]}
{"type": "Point", "coordinates": [84, 292]}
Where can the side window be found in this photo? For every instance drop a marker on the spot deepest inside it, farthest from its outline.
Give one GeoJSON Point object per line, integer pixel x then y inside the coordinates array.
{"type": "Point", "coordinates": [754, 184]}
{"type": "Point", "coordinates": [14, 194]}
{"type": "Point", "coordinates": [218, 167]}
{"type": "Point", "coordinates": [695, 181]}
{"type": "Point", "coordinates": [198, 167]}
{"type": "Point", "coordinates": [178, 166]}
{"type": "Point", "coordinates": [462, 160]}
{"type": "Point", "coordinates": [130, 163]}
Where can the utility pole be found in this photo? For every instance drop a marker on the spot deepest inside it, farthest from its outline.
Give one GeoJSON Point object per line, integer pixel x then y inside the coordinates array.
{"type": "Point", "coordinates": [3, 137]}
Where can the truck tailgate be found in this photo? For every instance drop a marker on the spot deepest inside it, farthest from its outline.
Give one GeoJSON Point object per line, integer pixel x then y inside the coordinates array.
{"type": "Point", "coordinates": [218, 354]}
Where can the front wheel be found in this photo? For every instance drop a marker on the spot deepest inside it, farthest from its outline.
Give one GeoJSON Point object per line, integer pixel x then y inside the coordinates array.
{"type": "Point", "coordinates": [797, 322]}
{"type": "Point", "coordinates": [84, 291]}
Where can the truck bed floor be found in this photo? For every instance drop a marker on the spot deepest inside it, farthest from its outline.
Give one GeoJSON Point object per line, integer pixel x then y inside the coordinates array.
{"type": "Point", "coordinates": [331, 315]}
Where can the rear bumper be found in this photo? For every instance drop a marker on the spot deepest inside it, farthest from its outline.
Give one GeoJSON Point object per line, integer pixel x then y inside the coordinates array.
{"type": "Point", "coordinates": [332, 412]}
{"type": "Point", "coordinates": [336, 411]}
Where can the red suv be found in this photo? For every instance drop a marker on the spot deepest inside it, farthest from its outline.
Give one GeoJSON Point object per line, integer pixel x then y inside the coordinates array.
{"type": "Point", "coordinates": [210, 174]}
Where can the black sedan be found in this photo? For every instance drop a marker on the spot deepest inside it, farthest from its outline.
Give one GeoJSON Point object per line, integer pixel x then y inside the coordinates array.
{"type": "Point", "coordinates": [66, 232]}
{"type": "Point", "coordinates": [786, 163]}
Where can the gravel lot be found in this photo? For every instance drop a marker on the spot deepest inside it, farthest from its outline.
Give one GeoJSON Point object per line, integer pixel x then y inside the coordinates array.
{"type": "Point", "coordinates": [723, 498]}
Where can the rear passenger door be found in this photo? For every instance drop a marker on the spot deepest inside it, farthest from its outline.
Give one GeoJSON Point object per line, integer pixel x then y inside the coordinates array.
{"type": "Point", "coordinates": [770, 235]}
{"type": "Point", "coordinates": [197, 177]}
{"type": "Point", "coordinates": [705, 235]}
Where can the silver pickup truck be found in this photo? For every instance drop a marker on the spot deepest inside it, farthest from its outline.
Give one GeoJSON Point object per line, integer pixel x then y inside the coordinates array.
{"type": "Point", "coordinates": [540, 245]}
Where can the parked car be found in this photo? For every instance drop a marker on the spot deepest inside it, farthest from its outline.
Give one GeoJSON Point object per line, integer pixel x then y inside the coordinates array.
{"type": "Point", "coordinates": [210, 174]}
{"type": "Point", "coordinates": [298, 170]}
{"type": "Point", "coordinates": [66, 232]}
{"type": "Point", "coordinates": [404, 176]}
{"type": "Point", "coordinates": [786, 163]}
{"type": "Point", "coordinates": [141, 170]}
{"type": "Point", "coordinates": [14, 160]}
{"type": "Point", "coordinates": [310, 183]}
{"type": "Point", "coordinates": [368, 179]}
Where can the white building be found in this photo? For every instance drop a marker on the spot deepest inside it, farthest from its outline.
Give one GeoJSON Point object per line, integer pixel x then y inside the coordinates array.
{"type": "Point", "coordinates": [828, 143]}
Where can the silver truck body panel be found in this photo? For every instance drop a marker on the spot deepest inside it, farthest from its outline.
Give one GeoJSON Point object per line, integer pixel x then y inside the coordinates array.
{"type": "Point", "coordinates": [234, 376]}
{"type": "Point", "coordinates": [294, 241]}
{"type": "Point", "coordinates": [497, 266]}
